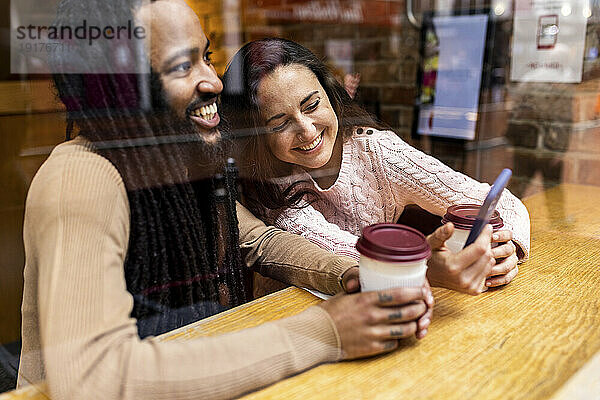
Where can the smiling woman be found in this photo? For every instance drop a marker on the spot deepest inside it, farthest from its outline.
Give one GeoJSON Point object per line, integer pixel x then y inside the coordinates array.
{"type": "Point", "coordinates": [292, 111]}
{"type": "Point", "coordinates": [298, 115]}
{"type": "Point", "coordinates": [319, 166]}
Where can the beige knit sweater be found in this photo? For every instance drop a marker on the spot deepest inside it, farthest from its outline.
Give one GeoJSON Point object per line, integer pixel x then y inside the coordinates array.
{"type": "Point", "coordinates": [380, 175]}
{"type": "Point", "coordinates": [77, 332]}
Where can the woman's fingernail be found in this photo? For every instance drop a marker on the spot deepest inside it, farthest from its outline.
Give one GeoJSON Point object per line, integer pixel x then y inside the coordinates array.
{"type": "Point", "coordinates": [488, 284]}
{"type": "Point", "coordinates": [495, 236]}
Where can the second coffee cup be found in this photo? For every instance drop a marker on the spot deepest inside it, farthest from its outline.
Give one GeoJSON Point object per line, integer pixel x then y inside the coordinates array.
{"type": "Point", "coordinates": [463, 217]}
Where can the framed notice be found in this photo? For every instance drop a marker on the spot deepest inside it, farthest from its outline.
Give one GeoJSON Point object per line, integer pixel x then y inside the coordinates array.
{"type": "Point", "coordinates": [549, 40]}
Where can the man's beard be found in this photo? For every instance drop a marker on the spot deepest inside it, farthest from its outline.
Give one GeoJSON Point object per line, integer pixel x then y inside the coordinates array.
{"type": "Point", "coordinates": [204, 156]}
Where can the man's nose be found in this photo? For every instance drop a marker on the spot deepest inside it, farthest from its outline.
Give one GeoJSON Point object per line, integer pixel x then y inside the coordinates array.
{"type": "Point", "coordinates": [208, 81]}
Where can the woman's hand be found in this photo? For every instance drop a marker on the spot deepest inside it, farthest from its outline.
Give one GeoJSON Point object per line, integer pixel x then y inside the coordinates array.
{"type": "Point", "coordinates": [506, 260]}
{"type": "Point", "coordinates": [371, 323]}
{"type": "Point", "coordinates": [464, 271]}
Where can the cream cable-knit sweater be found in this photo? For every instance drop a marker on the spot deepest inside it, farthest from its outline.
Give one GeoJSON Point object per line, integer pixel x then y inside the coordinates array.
{"type": "Point", "coordinates": [380, 174]}
{"type": "Point", "coordinates": [77, 331]}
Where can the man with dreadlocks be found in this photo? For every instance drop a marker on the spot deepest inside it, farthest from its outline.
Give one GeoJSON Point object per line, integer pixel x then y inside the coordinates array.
{"type": "Point", "coordinates": [132, 230]}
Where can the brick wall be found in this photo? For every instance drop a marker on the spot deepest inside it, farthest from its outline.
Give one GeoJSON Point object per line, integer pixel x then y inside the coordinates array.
{"type": "Point", "coordinates": [548, 133]}
{"type": "Point", "coordinates": [554, 129]}
{"type": "Point", "coordinates": [555, 133]}
{"type": "Point", "coordinates": [384, 46]}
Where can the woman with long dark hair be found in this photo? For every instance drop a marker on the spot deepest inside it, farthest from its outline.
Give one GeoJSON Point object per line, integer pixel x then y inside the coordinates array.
{"type": "Point", "coordinates": [318, 165]}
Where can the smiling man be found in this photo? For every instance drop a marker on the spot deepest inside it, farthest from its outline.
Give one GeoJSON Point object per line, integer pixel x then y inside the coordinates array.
{"type": "Point", "coordinates": [181, 58]}
{"type": "Point", "coordinates": [132, 230]}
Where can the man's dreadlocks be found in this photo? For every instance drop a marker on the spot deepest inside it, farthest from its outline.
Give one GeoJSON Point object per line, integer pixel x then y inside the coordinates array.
{"type": "Point", "coordinates": [183, 261]}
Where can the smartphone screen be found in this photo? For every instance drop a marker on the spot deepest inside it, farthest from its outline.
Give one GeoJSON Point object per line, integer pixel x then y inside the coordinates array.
{"type": "Point", "coordinates": [489, 205]}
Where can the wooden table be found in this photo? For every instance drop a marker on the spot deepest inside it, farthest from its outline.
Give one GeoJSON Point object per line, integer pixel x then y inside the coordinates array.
{"type": "Point", "coordinates": [528, 340]}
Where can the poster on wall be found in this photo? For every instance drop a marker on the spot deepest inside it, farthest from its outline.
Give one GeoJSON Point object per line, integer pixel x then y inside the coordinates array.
{"type": "Point", "coordinates": [548, 40]}
{"type": "Point", "coordinates": [453, 50]}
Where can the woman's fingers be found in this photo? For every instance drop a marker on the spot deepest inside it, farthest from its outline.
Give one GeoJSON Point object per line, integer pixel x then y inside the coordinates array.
{"type": "Point", "coordinates": [504, 250]}
{"type": "Point", "coordinates": [423, 323]}
{"type": "Point", "coordinates": [502, 236]}
{"type": "Point", "coordinates": [438, 238]}
{"type": "Point", "coordinates": [400, 331]}
{"type": "Point", "coordinates": [476, 251]}
{"type": "Point", "coordinates": [504, 266]}
{"type": "Point", "coordinates": [425, 319]}
{"type": "Point", "coordinates": [421, 334]}
{"type": "Point", "coordinates": [502, 279]}
{"type": "Point", "coordinates": [429, 300]}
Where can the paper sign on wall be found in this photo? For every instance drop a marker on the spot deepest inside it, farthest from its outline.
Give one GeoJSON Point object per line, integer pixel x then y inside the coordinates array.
{"type": "Point", "coordinates": [548, 40]}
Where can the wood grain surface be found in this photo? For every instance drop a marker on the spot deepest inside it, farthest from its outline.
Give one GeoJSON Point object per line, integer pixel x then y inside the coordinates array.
{"type": "Point", "coordinates": [522, 341]}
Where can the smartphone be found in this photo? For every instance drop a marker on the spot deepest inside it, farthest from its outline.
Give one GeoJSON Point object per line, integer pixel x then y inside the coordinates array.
{"type": "Point", "coordinates": [547, 32]}
{"type": "Point", "coordinates": [489, 205]}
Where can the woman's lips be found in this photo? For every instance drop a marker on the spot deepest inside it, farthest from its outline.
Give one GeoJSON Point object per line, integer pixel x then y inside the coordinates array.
{"type": "Point", "coordinates": [320, 143]}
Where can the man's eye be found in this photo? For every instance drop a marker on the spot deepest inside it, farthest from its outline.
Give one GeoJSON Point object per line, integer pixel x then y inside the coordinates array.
{"type": "Point", "coordinates": [313, 106]}
{"type": "Point", "coordinates": [181, 67]}
{"type": "Point", "coordinates": [208, 57]}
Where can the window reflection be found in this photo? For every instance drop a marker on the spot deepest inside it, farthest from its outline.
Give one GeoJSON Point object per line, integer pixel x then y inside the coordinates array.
{"type": "Point", "coordinates": [404, 75]}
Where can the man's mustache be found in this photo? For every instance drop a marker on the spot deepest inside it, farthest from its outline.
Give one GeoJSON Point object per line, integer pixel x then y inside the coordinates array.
{"type": "Point", "coordinates": [203, 101]}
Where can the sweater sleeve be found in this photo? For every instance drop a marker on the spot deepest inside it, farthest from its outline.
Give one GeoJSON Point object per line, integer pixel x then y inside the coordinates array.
{"type": "Point", "coordinates": [287, 257]}
{"type": "Point", "coordinates": [423, 180]}
{"type": "Point", "coordinates": [311, 224]}
{"type": "Point", "coordinates": [77, 228]}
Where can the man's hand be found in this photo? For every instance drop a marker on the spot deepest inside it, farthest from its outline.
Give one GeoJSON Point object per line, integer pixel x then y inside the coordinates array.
{"type": "Point", "coordinates": [351, 284]}
{"type": "Point", "coordinates": [506, 260]}
{"type": "Point", "coordinates": [464, 271]}
{"type": "Point", "coordinates": [350, 280]}
{"type": "Point", "coordinates": [371, 323]}
{"type": "Point", "coordinates": [425, 320]}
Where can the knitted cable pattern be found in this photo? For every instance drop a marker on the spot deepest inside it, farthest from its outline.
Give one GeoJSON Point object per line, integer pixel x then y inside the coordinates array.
{"type": "Point", "coordinates": [381, 174]}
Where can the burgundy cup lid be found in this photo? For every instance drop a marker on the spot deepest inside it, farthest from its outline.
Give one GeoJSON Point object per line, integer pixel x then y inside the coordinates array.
{"type": "Point", "coordinates": [463, 216]}
{"type": "Point", "coordinates": [393, 243]}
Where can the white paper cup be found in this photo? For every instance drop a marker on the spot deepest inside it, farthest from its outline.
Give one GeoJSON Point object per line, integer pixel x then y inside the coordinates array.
{"type": "Point", "coordinates": [392, 255]}
{"type": "Point", "coordinates": [463, 217]}
{"type": "Point", "coordinates": [457, 240]}
{"type": "Point", "coordinates": [377, 275]}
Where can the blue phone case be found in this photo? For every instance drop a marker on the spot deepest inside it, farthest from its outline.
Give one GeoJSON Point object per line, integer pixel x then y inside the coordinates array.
{"type": "Point", "coordinates": [489, 205]}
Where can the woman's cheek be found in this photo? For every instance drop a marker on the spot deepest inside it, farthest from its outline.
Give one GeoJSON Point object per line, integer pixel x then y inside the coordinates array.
{"type": "Point", "coordinates": [278, 148]}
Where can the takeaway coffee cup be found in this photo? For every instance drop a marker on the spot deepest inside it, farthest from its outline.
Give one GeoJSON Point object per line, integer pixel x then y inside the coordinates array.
{"type": "Point", "coordinates": [392, 255]}
{"type": "Point", "coordinates": [463, 217]}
